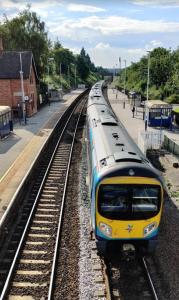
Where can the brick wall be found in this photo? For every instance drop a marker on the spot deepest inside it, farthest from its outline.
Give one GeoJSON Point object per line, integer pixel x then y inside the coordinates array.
{"type": "Point", "coordinates": [10, 93]}
{"type": "Point", "coordinates": [5, 92]}
{"type": "Point", "coordinates": [32, 93]}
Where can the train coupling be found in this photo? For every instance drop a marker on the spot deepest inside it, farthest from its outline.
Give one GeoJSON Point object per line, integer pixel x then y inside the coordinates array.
{"type": "Point", "coordinates": [128, 252]}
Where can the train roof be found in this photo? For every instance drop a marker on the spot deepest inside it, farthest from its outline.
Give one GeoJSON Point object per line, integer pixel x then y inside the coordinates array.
{"type": "Point", "coordinates": [114, 150]}
{"type": "Point", "coordinates": [96, 97]}
{"type": "Point", "coordinates": [111, 140]}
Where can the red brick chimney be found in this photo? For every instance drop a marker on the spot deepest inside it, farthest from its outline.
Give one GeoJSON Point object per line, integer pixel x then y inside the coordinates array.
{"type": "Point", "coordinates": [1, 45]}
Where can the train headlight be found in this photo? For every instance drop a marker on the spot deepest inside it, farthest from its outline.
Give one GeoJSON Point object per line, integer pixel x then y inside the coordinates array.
{"type": "Point", "coordinates": [150, 228]}
{"type": "Point", "coordinates": [106, 229]}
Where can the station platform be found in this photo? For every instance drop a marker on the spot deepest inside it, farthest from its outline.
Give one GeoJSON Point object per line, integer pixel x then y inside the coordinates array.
{"type": "Point", "coordinates": [22, 146]}
{"type": "Point", "coordinates": [122, 108]}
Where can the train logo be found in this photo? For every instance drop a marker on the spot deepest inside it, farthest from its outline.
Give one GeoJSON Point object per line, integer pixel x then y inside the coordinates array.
{"type": "Point", "coordinates": [129, 228]}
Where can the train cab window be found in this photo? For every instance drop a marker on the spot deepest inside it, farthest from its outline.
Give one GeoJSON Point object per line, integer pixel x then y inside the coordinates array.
{"type": "Point", "coordinates": [145, 199]}
{"type": "Point", "coordinates": [114, 199]}
{"type": "Point", "coordinates": [128, 202]}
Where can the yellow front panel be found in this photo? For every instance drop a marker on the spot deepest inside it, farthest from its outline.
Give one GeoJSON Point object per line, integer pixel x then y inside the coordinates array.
{"type": "Point", "coordinates": [125, 228]}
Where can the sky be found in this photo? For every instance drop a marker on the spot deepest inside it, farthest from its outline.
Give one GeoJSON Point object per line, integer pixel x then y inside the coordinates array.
{"type": "Point", "coordinates": [113, 32]}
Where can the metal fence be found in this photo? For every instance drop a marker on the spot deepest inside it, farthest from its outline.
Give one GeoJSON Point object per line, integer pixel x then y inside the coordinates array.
{"type": "Point", "coordinates": [150, 140]}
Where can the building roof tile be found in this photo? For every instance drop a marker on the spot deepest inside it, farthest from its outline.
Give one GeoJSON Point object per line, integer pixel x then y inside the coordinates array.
{"type": "Point", "coordinates": [10, 64]}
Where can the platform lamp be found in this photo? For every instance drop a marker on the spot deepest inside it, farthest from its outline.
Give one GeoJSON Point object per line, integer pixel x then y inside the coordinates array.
{"type": "Point", "coordinates": [75, 76]}
{"type": "Point", "coordinates": [75, 73]}
{"type": "Point", "coordinates": [124, 82]}
{"type": "Point", "coordinates": [49, 59]}
{"type": "Point", "coordinates": [22, 89]}
{"type": "Point", "coordinates": [148, 81]}
{"type": "Point", "coordinates": [61, 75]}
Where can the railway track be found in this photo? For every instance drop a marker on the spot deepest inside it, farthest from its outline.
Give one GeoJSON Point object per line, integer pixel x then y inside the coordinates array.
{"type": "Point", "coordinates": [32, 249]}
{"type": "Point", "coordinates": [129, 279]}
{"type": "Point", "coordinates": [149, 278]}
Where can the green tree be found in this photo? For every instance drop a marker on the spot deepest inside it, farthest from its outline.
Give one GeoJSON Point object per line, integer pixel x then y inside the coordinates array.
{"type": "Point", "coordinates": [160, 66]}
{"type": "Point", "coordinates": [164, 75]}
{"type": "Point", "coordinates": [63, 57]}
{"type": "Point", "coordinates": [82, 67]}
{"type": "Point", "coordinates": [27, 32]}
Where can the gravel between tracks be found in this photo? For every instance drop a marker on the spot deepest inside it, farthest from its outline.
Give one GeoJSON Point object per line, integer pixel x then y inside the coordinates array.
{"type": "Point", "coordinates": [85, 267]}
{"type": "Point", "coordinates": [86, 273]}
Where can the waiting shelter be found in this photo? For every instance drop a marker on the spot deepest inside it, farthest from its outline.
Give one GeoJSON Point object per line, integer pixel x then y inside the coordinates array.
{"type": "Point", "coordinates": [5, 121]}
{"type": "Point", "coordinates": [158, 113]}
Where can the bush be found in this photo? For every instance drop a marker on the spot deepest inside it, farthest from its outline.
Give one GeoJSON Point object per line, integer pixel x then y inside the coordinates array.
{"type": "Point", "coordinates": [154, 93]}
{"type": "Point", "coordinates": [173, 99]}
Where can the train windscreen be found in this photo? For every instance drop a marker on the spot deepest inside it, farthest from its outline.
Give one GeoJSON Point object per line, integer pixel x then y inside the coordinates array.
{"type": "Point", "coordinates": [129, 202]}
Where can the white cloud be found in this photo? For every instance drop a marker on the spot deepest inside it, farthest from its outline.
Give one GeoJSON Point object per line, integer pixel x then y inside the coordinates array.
{"type": "Point", "coordinates": [44, 9]}
{"type": "Point", "coordinates": [102, 46]}
{"type": "Point", "coordinates": [94, 26]}
{"type": "Point", "coordinates": [9, 4]}
{"type": "Point", "coordinates": [136, 51]}
{"type": "Point", "coordinates": [156, 43]}
{"type": "Point", "coordinates": [20, 4]}
{"type": "Point", "coordinates": [108, 56]}
{"type": "Point", "coordinates": [75, 50]}
{"type": "Point", "coordinates": [84, 8]}
{"type": "Point", "coordinates": [161, 3]}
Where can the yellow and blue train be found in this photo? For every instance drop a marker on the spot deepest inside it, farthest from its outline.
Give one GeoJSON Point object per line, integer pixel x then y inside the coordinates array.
{"type": "Point", "coordinates": [126, 191]}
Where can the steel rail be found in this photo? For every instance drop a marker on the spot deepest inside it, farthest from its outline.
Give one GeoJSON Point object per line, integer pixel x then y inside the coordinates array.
{"type": "Point", "coordinates": [107, 284]}
{"type": "Point", "coordinates": [149, 279]}
{"type": "Point", "coordinates": [50, 294]}
{"type": "Point", "coordinates": [12, 268]}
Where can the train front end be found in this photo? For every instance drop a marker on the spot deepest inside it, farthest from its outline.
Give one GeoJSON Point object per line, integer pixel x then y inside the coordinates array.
{"type": "Point", "coordinates": [128, 209]}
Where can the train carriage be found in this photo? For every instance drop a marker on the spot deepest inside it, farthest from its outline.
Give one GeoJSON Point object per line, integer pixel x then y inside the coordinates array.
{"type": "Point", "coordinates": [126, 191]}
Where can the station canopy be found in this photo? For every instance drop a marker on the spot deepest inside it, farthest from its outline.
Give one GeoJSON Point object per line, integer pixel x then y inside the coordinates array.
{"type": "Point", "coordinates": [158, 104]}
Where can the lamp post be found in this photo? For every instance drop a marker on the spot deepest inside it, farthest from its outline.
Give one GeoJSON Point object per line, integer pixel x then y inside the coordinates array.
{"type": "Point", "coordinates": [125, 76]}
{"type": "Point", "coordinates": [68, 74]}
{"type": "Point", "coordinates": [116, 69]}
{"type": "Point", "coordinates": [113, 72]}
{"type": "Point", "coordinates": [119, 64]}
{"type": "Point", "coordinates": [148, 81]}
{"type": "Point", "coordinates": [61, 75]}
{"type": "Point", "coordinates": [75, 73]}
{"type": "Point", "coordinates": [22, 89]}
{"type": "Point", "coordinates": [75, 76]}
{"type": "Point", "coordinates": [124, 82]}
{"type": "Point", "coordinates": [49, 59]}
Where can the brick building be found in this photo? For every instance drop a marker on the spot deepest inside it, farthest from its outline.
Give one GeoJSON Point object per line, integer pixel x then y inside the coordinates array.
{"type": "Point", "coordinates": [18, 73]}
